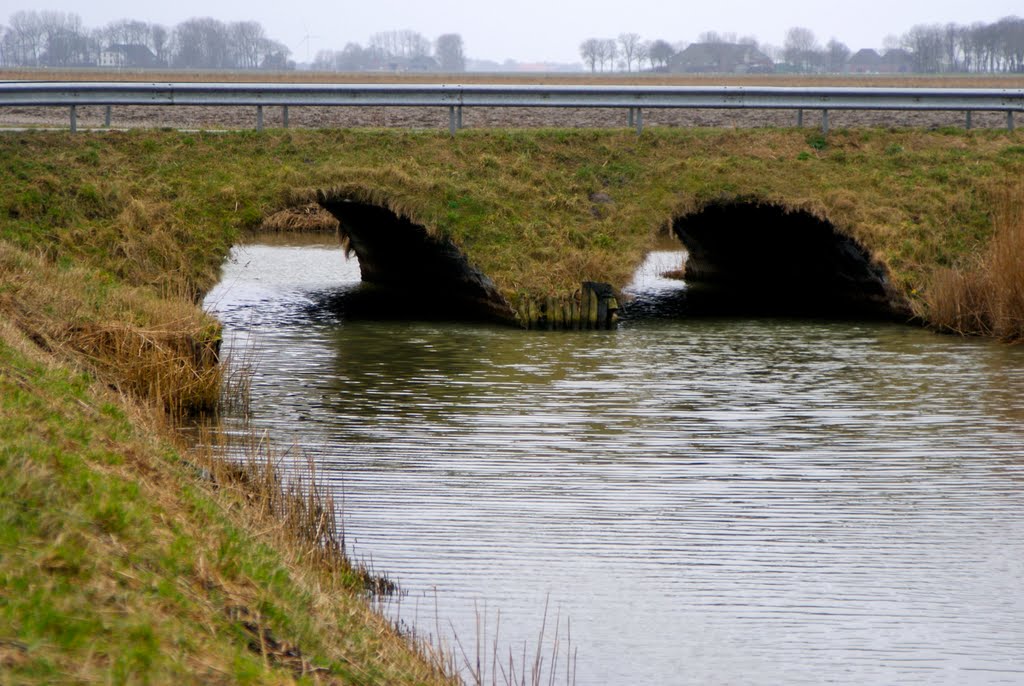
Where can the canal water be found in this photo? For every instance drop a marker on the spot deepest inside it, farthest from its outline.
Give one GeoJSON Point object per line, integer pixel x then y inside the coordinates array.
{"type": "Point", "coordinates": [694, 501]}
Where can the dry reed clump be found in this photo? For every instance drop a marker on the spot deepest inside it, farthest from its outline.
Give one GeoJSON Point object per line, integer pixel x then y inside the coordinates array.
{"type": "Point", "coordinates": [307, 217]}
{"type": "Point", "coordinates": [987, 299]}
{"type": "Point", "coordinates": [162, 350]}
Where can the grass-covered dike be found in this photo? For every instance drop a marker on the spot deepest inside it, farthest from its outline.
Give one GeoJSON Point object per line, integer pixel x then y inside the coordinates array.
{"type": "Point", "coordinates": [127, 559]}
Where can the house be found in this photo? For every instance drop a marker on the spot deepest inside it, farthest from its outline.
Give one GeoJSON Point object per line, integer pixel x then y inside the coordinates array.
{"type": "Point", "coordinates": [729, 58]}
{"type": "Point", "coordinates": [897, 61]}
{"type": "Point", "coordinates": [131, 56]}
{"type": "Point", "coordinates": [866, 61]}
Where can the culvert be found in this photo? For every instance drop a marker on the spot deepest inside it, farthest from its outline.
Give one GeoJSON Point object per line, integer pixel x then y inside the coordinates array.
{"type": "Point", "coordinates": [765, 259]}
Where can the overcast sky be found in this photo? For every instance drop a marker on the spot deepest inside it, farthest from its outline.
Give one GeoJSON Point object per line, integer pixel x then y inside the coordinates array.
{"type": "Point", "coordinates": [543, 30]}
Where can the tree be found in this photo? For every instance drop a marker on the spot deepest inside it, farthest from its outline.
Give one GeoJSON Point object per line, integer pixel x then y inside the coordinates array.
{"type": "Point", "coordinates": [402, 44]}
{"type": "Point", "coordinates": [26, 34]}
{"type": "Point", "coordinates": [246, 40]}
{"type": "Point", "coordinates": [925, 43]}
{"type": "Point", "coordinates": [159, 39]}
{"type": "Point", "coordinates": [659, 53]}
{"type": "Point", "coordinates": [590, 51]}
{"type": "Point", "coordinates": [201, 43]}
{"type": "Point", "coordinates": [449, 52]}
{"type": "Point", "coordinates": [629, 47]}
{"type": "Point", "coordinates": [608, 52]}
{"type": "Point", "coordinates": [801, 48]}
{"type": "Point", "coordinates": [641, 54]}
{"type": "Point", "coordinates": [836, 56]}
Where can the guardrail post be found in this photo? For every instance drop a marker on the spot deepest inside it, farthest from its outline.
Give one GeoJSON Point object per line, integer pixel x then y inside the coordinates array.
{"type": "Point", "coordinates": [458, 117]}
{"type": "Point", "coordinates": [800, 118]}
{"type": "Point", "coordinates": [259, 117]}
{"type": "Point", "coordinates": [824, 122]}
{"type": "Point", "coordinates": [1009, 120]}
{"type": "Point", "coordinates": [451, 119]}
{"type": "Point", "coordinates": [74, 119]}
{"type": "Point", "coordinates": [284, 115]}
{"type": "Point", "coordinates": [106, 117]}
{"type": "Point", "coordinates": [630, 118]}
{"type": "Point", "coordinates": [967, 120]}
{"type": "Point", "coordinates": [639, 121]}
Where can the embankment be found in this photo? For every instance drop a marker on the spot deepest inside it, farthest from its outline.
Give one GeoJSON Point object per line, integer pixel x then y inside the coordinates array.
{"type": "Point", "coordinates": [121, 562]}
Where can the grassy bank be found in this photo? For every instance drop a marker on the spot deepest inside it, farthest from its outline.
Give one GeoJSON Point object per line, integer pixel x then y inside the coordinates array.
{"type": "Point", "coordinates": [122, 561]}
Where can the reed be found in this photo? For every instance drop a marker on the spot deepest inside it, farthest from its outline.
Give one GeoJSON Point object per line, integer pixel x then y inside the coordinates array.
{"type": "Point", "coordinates": [987, 298]}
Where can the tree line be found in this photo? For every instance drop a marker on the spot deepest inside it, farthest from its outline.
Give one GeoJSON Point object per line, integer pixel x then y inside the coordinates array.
{"type": "Point", "coordinates": [393, 50]}
{"type": "Point", "coordinates": [59, 39]}
{"type": "Point", "coordinates": [997, 47]}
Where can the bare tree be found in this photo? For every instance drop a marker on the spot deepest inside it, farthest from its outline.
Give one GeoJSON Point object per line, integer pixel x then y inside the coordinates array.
{"type": "Point", "coordinates": [590, 51]}
{"type": "Point", "coordinates": [609, 51]}
{"type": "Point", "coordinates": [801, 48]}
{"type": "Point", "coordinates": [246, 41]}
{"type": "Point", "coordinates": [449, 52]}
{"type": "Point", "coordinates": [641, 55]}
{"type": "Point", "coordinates": [629, 47]}
{"type": "Point", "coordinates": [836, 56]}
{"type": "Point", "coordinates": [659, 53]}
{"type": "Point", "coordinates": [26, 33]}
{"type": "Point", "coordinates": [925, 43]}
{"type": "Point", "coordinates": [404, 44]}
{"type": "Point", "coordinates": [201, 43]}
{"type": "Point", "coordinates": [159, 41]}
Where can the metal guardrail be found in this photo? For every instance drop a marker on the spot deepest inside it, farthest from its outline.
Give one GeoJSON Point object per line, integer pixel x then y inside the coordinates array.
{"type": "Point", "coordinates": [457, 96]}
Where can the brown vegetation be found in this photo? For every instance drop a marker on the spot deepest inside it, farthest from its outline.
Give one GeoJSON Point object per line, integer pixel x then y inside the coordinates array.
{"type": "Point", "coordinates": [310, 217]}
{"type": "Point", "coordinates": [987, 298]}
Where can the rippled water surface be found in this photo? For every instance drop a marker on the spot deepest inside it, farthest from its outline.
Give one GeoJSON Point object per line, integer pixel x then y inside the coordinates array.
{"type": "Point", "coordinates": [708, 501]}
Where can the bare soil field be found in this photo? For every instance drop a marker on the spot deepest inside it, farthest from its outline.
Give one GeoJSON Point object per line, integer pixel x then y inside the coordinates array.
{"type": "Point", "coordinates": [185, 117]}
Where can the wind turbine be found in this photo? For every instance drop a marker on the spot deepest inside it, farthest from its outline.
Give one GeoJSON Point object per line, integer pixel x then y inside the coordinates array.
{"type": "Point", "coordinates": [306, 38]}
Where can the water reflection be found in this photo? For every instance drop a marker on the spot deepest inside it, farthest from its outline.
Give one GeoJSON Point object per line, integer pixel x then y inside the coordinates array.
{"type": "Point", "coordinates": [710, 501]}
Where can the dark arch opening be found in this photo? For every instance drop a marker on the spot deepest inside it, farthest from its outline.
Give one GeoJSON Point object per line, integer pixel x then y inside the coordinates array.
{"type": "Point", "coordinates": [755, 258]}
{"type": "Point", "coordinates": [416, 274]}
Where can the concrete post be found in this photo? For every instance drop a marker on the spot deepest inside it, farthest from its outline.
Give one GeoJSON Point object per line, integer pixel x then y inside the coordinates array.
{"type": "Point", "coordinates": [800, 119]}
{"type": "Point", "coordinates": [1009, 120]}
{"type": "Point", "coordinates": [458, 118]}
{"type": "Point", "coordinates": [106, 117]}
{"type": "Point", "coordinates": [451, 119]}
{"type": "Point", "coordinates": [824, 122]}
{"type": "Point", "coordinates": [284, 115]}
{"type": "Point", "coordinates": [967, 121]}
{"type": "Point", "coordinates": [74, 119]}
{"type": "Point", "coordinates": [259, 117]}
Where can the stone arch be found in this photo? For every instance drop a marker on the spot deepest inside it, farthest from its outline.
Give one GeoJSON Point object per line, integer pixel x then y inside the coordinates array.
{"type": "Point", "coordinates": [765, 258]}
{"type": "Point", "coordinates": [432, 274]}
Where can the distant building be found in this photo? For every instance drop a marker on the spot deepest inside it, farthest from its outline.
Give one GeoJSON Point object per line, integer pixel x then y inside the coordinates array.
{"type": "Point", "coordinates": [722, 58]}
{"type": "Point", "coordinates": [897, 61]}
{"type": "Point", "coordinates": [131, 56]}
{"type": "Point", "coordinates": [867, 61]}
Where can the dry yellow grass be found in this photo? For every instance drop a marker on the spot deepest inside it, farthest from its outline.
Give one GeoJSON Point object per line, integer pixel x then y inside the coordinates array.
{"type": "Point", "coordinates": [987, 298]}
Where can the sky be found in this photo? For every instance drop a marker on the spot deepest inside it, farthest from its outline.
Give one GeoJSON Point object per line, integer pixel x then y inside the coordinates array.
{"type": "Point", "coordinates": [541, 30]}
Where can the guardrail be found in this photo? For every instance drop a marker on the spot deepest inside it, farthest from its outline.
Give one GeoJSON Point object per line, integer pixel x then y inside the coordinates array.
{"type": "Point", "coordinates": [457, 96]}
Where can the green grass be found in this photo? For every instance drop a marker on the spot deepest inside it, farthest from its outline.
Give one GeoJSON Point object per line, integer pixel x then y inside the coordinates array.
{"type": "Point", "coordinates": [161, 208]}
{"type": "Point", "coordinates": [117, 566]}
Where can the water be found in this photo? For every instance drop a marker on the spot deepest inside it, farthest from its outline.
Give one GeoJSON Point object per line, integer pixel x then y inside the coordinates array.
{"type": "Point", "coordinates": [708, 501]}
